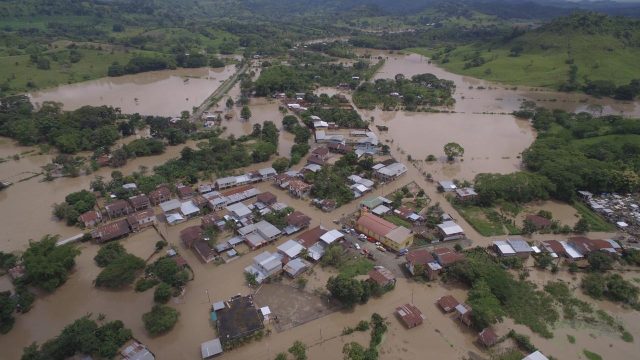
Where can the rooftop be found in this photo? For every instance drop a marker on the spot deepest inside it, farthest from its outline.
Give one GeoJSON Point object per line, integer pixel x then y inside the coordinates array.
{"type": "Point", "coordinates": [410, 315]}
{"type": "Point", "coordinates": [312, 236]}
{"type": "Point", "coordinates": [381, 275]}
{"type": "Point", "coordinates": [421, 256]}
{"type": "Point", "coordinates": [447, 303]}
{"type": "Point", "coordinates": [239, 318]}
{"type": "Point", "coordinates": [291, 248]}
{"type": "Point", "coordinates": [376, 224]}
{"type": "Point", "coordinates": [331, 236]}
{"type": "Point", "coordinates": [211, 348]}
{"type": "Point", "coordinates": [450, 228]}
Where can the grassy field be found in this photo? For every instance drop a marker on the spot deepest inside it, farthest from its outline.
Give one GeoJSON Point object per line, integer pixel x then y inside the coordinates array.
{"type": "Point", "coordinates": [596, 222]}
{"type": "Point", "coordinates": [482, 219]}
{"type": "Point", "coordinates": [544, 61]}
{"type": "Point", "coordinates": [355, 267]}
{"type": "Point", "coordinates": [21, 75]}
{"type": "Point", "coordinates": [395, 219]}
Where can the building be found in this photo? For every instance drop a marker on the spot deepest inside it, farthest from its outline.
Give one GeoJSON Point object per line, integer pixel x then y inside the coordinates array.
{"type": "Point", "coordinates": [265, 265]}
{"type": "Point", "coordinates": [267, 198]}
{"type": "Point", "coordinates": [136, 351]}
{"type": "Point", "coordinates": [447, 303]}
{"type": "Point", "coordinates": [297, 221]}
{"type": "Point", "coordinates": [466, 194]}
{"type": "Point", "coordinates": [521, 247]}
{"type": "Point", "coordinates": [185, 192]}
{"type": "Point", "coordinates": [503, 248]}
{"type": "Point", "coordinates": [296, 267]}
{"type": "Point", "coordinates": [213, 221]}
{"type": "Point", "coordinates": [446, 186]}
{"type": "Point", "coordinates": [259, 234]}
{"type": "Point", "coordinates": [160, 195]}
{"type": "Point", "coordinates": [410, 315]}
{"type": "Point", "coordinates": [90, 218]}
{"type": "Point", "coordinates": [290, 249]}
{"type": "Point", "coordinates": [418, 258]}
{"type": "Point", "coordinates": [238, 319]}
{"type": "Point", "coordinates": [390, 172]}
{"type": "Point", "coordinates": [487, 337]}
{"type": "Point", "coordinates": [299, 188]}
{"type": "Point", "coordinates": [536, 355]}
{"type": "Point", "coordinates": [189, 236]}
{"type": "Point", "coordinates": [204, 251]}
{"type": "Point", "coordinates": [188, 209]}
{"type": "Point", "coordinates": [540, 223]}
{"type": "Point", "coordinates": [170, 206]}
{"type": "Point", "coordinates": [374, 202]}
{"type": "Point", "coordinates": [447, 257]}
{"type": "Point", "coordinates": [331, 236]}
{"type": "Point", "coordinates": [210, 349]}
{"type": "Point", "coordinates": [111, 231]}
{"type": "Point", "coordinates": [393, 236]}
{"type": "Point", "coordinates": [449, 230]}
{"type": "Point", "coordinates": [310, 240]}
{"type": "Point", "coordinates": [139, 202]}
{"type": "Point", "coordinates": [382, 276]}
{"type": "Point", "coordinates": [118, 208]}
{"type": "Point", "coordinates": [463, 313]}
{"type": "Point", "coordinates": [142, 220]}
{"type": "Point", "coordinates": [239, 211]}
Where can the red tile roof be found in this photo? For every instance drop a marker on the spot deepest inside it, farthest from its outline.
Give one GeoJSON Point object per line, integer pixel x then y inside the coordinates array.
{"type": "Point", "coordinates": [410, 315]}
{"type": "Point", "coordinates": [267, 198]}
{"type": "Point", "coordinates": [190, 235]}
{"type": "Point", "coordinates": [89, 216]}
{"type": "Point", "coordinates": [382, 276]}
{"type": "Point", "coordinates": [111, 231]}
{"type": "Point", "coordinates": [450, 258]}
{"type": "Point", "coordinates": [488, 337]}
{"type": "Point", "coordinates": [184, 191]}
{"type": "Point", "coordinates": [139, 201]}
{"type": "Point", "coordinates": [375, 224]}
{"type": "Point", "coordinates": [237, 190]}
{"type": "Point", "coordinates": [298, 219]}
{"type": "Point", "coordinates": [310, 237]}
{"type": "Point", "coordinates": [421, 257]}
{"type": "Point", "coordinates": [447, 303]}
{"type": "Point", "coordinates": [554, 245]}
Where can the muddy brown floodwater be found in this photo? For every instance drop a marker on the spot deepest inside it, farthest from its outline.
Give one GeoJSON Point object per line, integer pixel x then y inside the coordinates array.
{"type": "Point", "coordinates": [166, 92]}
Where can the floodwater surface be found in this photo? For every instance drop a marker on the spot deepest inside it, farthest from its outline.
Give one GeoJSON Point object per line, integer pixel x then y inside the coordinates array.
{"type": "Point", "coordinates": [165, 93]}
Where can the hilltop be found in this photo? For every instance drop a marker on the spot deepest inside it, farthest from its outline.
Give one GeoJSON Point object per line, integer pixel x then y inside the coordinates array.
{"type": "Point", "coordinates": [570, 53]}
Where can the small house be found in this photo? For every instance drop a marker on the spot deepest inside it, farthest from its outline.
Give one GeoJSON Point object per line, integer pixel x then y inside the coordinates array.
{"type": "Point", "coordinates": [238, 319]}
{"type": "Point", "coordinates": [90, 218]}
{"type": "Point", "coordinates": [111, 231]}
{"type": "Point", "coordinates": [210, 349]}
{"type": "Point", "coordinates": [463, 314]}
{"type": "Point", "coordinates": [142, 220]}
{"type": "Point", "coordinates": [190, 235]}
{"type": "Point", "coordinates": [446, 186]}
{"type": "Point", "coordinates": [539, 222]}
{"type": "Point", "coordinates": [267, 198]}
{"type": "Point", "coordinates": [139, 202]}
{"type": "Point", "coordinates": [419, 258]}
{"type": "Point", "coordinates": [265, 265]}
{"type": "Point", "coordinates": [466, 194]}
{"type": "Point", "coordinates": [487, 337]}
{"type": "Point", "coordinates": [382, 276]}
{"type": "Point", "coordinates": [204, 251]}
{"type": "Point", "coordinates": [160, 195]}
{"type": "Point", "coordinates": [118, 208]}
{"type": "Point", "coordinates": [390, 172]}
{"type": "Point", "coordinates": [536, 355]}
{"type": "Point", "coordinates": [290, 249]}
{"type": "Point", "coordinates": [296, 267]}
{"type": "Point", "coordinates": [298, 220]}
{"type": "Point", "coordinates": [521, 247]}
{"type": "Point", "coordinates": [410, 315]}
{"type": "Point", "coordinates": [447, 303]}
{"type": "Point", "coordinates": [449, 230]}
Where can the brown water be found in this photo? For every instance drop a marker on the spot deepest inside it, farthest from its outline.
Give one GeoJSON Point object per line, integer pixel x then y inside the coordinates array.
{"type": "Point", "coordinates": [165, 93]}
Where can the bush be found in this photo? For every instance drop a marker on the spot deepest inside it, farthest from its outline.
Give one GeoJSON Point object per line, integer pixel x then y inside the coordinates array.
{"type": "Point", "coordinates": [160, 319]}
{"type": "Point", "coordinates": [120, 272]}
{"type": "Point", "coordinates": [298, 350]}
{"type": "Point", "coordinates": [162, 294]}
{"type": "Point", "coordinates": [108, 253]}
{"type": "Point", "coordinates": [47, 265]}
{"type": "Point", "coordinates": [143, 284]}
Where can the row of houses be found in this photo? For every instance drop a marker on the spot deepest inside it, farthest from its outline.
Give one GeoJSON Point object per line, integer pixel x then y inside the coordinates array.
{"type": "Point", "coordinates": [120, 228]}
{"type": "Point", "coordinates": [431, 263]}
{"type": "Point", "coordinates": [261, 175]}
{"type": "Point", "coordinates": [390, 235]}
{"type": "Point", "coordinates": [574, 248]}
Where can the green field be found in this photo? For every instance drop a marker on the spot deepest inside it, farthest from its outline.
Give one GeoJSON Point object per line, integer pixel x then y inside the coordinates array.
{"type": "Point", "coordinates": [482, 219]}
{"type": "Point", "coordinates": [596, 222]}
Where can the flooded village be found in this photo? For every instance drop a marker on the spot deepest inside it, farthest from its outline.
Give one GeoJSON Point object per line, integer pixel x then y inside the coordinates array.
{"type": "Point", "coordinates": [262, 283]}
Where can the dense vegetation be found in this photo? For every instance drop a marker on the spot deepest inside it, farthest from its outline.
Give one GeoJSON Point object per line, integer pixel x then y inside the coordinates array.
{"type": "Point", "coordinates": [120, 271]}
{"type": "Point", "coordinates": [83, 337]}
{"type": "Point", "coordinates": [160, 319]}
{"type": "Point", "coordinates": [74, 205]}
{"type": "Point", "coordinates": [423, 90]}
{"type": "Point", "coordinates": [47, 265]}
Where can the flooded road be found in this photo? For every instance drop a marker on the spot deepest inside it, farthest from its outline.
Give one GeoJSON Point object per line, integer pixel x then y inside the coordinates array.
{"type": "Point", "coordinates": [166, 92]}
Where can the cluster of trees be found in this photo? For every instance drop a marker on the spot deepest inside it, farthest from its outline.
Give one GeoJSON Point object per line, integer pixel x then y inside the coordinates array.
{"type": "Point", "coordinates": [140, 64]}
{"type": "Point", "coordinates": [47, 266]}
{"type": "Point", "coordinates": [608, 88]}
{"type": "Point", "coordinates": [144, 147]}
{"type": "Point", "coordinates": [87, 128]}
{"type": "Point", "coordinates": [519, 187]}
{"type": "Point", "coordinates": [301, 141]}
{"type": "Point", "coordinates": [611, 286]}
{"type": "Point", "coordinates": [584, 152]}
{"type": "Point", "coordinates": [346, 118]}
{"type": "Point", "coordinates": [84, 336]}
{"type": "Point", "coordinates": [161, 319]}
{"type": "Point", "coordinates": [119, 267]}
{"type": "Point", "coordinates": [420, 90]}
{"type": "Point", "coordinates": [355, 351]}
{"type": "Point", "coordinates": [351, 291]}
{"type": "Point", "coordinates": [74, 205]}
{"type": "Point", "coordinates": [267, 144]}
{"type": "Point", "coordinates": [490, 281]}
{"type": "Point", "coordinates": [331, 181]}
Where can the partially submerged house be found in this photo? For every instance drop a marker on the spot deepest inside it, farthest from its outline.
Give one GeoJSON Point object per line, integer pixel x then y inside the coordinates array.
{"type": "Point", "coordinates": [466, 194]}
{"type": "Point", "coordinates": [142, 219]}
{"type": "Point", "coordinates": [447, 303]}
{"type": "Point", "coordinates": [265, 265]}
{"type": "Point", "coordinates": [111, 231]}
{"type": "Point", "coordinates": [382, 276]}
{"type": "Point", "coordinates": [118, 208]}
{"type": "Point", "coordinates": [296, 267]}
{"type": "Point", "coordinates": [487, 337]}
{"type": "Point", "coordinates": [390, 172]}
{"type": "Point", "coordinates": [159, 195]}
{"type": "Point", "coordinates": [391, 235]}
{"type": "Point", "coordinates": [139, 202]}
{"type": "Point", "coordinates": [418, 259]}
{"type": "Point", "coordinates": [449, 230]}
{"type": "Point", "coordinates": [238, 319]}
{"type": "Point", "coordinates": [90, 218]}
{"type": "Point", "coordinates": [410, 315]}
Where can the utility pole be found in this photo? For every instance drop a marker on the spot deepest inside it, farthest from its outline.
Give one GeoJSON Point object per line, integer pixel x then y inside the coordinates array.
{"type": "Point", "coordinates": [208, 297]}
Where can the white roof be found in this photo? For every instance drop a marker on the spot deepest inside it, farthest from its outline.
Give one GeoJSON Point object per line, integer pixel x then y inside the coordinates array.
{"type": "Point", "coordinates": [536, 249]}
{"type": "Point", "coordinates": [377, 166]}
{"type": "Point", "coordinates": [393, 169]}
{"type": "Point", "coordinates": [316, 251]}
{"type": "Point", "coordinates": [188, 207]}
{"type": "Point", "coordinates": [128, 186]}
{"type": "Point", "coordinates": [450, 228]}
{"type": "Point", "coordinates": [291, 248]}
{"type": "Point", "coordinates": [399, 234]}
{"type": "Point", "coordinates": [361, 188]}
{"type": "Point", "coordinates": [447, 184]}
{"type": "Point", "coordinates": [315, 118]}
{"type": "Point", "coordinates": [170, 205]}
{"type": "Point", "coordinates": [570, 250]}
{"type": "Point", "coordinates": [174, 218]}
{"type": "Point", "coordinates": [313, 167]}
{"type": "Point", "coordinates": [330, 236]}
{"type": "Point", "coordinates": [461, 309]}
{"type": "Point", "coordinates": [380, 210]}
{"type": "Point", "coordinates": [519, 245]}
{"type": "Point", "coordinates": [622, 224]}
{"type": "Point", "coordinates": [504, 247]}
{"type": "Point", "coordinates": [239, 209]}
{"type": "Point", "coordinates": [614, 244]}
{"type": "Point", "coordinates": [320, 124]}
{"type": "Point", "coordinates": [265, 311]}
{"type": "Point", "coordinates": [226, 180]}
{"type": "Point", "coordinates": [537, 355]}
{"type": "Point", "coordinates": [294, 266]}
{"type": "Point", "coordinates": [211, 348]}
{"type": "Point", "coordinates": [267, 171]}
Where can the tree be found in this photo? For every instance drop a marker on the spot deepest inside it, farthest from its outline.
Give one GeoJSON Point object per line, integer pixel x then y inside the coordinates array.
{"type": "Point", "coordinates": [280, 164]}
{"type": "Point", "coordinates": [47, 265]}
{"type": "Point", "coordinates": [168, 271]}
{"type": "Point", "coordinates": [593, 285]}
{"type": "Point", "coordinates": [162, 293]}
{"type": "Point", "coordinates": [487, 309]}
{"type": "Point", "coordinates": [160, 319]}
{"type": "Point", "coordinates": [298, 350]}
{"type": "Point", "coordinates": [7, 308]}
{"type": "Point", "coordinates": [229, 103]}
{"type": "Point", "coordinates": [120, 272]}
{"type": "Point", "coordinates": [599, 261]}
{"type": "Point", "coordinates": [108, 253]}
{"type": "Point", "coordinates": [346, 290]}
{"type": "Point", "coordinates": [453, 150]}
{"type": "Point", "coordinates": [245, 113]}
{"type": "Point", "coordinates": [581, 227]}
{"type": "Point", "coordinates": [281, 356]}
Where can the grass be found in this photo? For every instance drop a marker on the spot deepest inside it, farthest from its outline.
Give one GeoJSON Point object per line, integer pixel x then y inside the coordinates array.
{"type": "Point", "coordinates": [596, 223]}
{"type": "Point", "coordinates": [627, 337]}
{"type": "Point", "coordinates": [482, 219]}
{"type": "Point", "coordinates": [395, 219]}
{"type": "Point", "coordinates": [591, 355]}
{"type": "Point", "coordinates": [355, 267]}
{"type": "Point", "coordinates": [571, 338]}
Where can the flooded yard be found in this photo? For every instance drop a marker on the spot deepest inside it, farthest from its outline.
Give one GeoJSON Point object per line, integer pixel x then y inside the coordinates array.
{"type": "Point", "coordinates": [165, 93]}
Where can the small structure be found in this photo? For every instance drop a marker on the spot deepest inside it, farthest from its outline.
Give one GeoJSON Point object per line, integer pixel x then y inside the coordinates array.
{"type": "Point", "coordinates": [382, 276]}
{"type": "Point", "coordinates": [118, 208]}
{"type": "Point", "coordinates": [463, 313]}
{"type": "Point", "coordinates": [111, 231]}
{"type": "Point", "coordinates": [446, 186]}
{"type": "Point", "coordinates": [211, 348]}
{"type": "Point", "coordinates": [90, 218]}
{"type": "Point", "coordinates": [189, 209]}
{"type": "Point", "coordinates": [189, 236]}
{"type": "Point", "coordinates": [296, 267]}
{"type": "Point", "coordinates": [184, 192]}
{"type": "Point", "coordinates": [239, 211]}
{"type": "Point", "coordinates": [297, 221]}
{"type": "Point", "coordinates": [449, 230]}
{"type": "Point", "coordinates": [291, 249]}
{"type": "Point", "coordinates": [331, 236]}
{"type": "Point", "coordinates": [142, 220]}
{"type": "Point", "coordinates": [539, 222]}
{"type": "Point", "coordinates": [503, 248]}
{"type": "Point", "coordinates": [381, 210]}
{"type": "Point", "coordinates": [447, 257]}
{"type": "Point", "coordinates": [466, 194]}
{"type": "Point", "coordinates": [160, 195]}
{"type": "Point", "coordinates": [204, 251]}
{"type": "Point", "coordinates": [139, 202]}
{"type": "Point", "coordinates": [372, 203]}
{"type": "Point", "coordinates": [521, 247]}
{"type": "Point", "coordinates": [487, 337]}
{"type": "Point", "coordinates": [410, 315]}
{"type": "Point", "coordinates": [447, 303]}
{"type": "Point", "coordinates": [238, 319]}
{"type": "Point", "coordinates": [536, 355]}
{"type": "Point", "coordinates": [136, 351]}
{"type": "Point", "coordinates": [170, 206]}
{"type": "Point", "coordinates": [391, 172]}
{"type": "Point", "coordinates": [267, 198]}
{"type": "Point", "coordinates": [261, 233]}
{"type": "Point", "coordinates": [391, 235]}
{"type": "Point", "coordinates": [265, 265]}
{"type": "Point", "coordinates": [420, 258]}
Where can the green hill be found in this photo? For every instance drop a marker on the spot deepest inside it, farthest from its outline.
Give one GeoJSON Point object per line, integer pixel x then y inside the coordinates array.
{"type": "Point", "coordinates": [594, 47]}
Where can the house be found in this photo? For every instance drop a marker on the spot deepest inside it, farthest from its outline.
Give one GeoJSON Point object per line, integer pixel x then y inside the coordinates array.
{"type": "Point", "coordinates": [139, 202]}
{"type": "Point", "coordinates": [373, 202]}
{"type": "Point", "coordinates": [326, 205]}
{"type": "Point", "coordinates": [311, 167]}
{"type": "Point", "coordinates": [213, 221]}
{"type": "Point", "coordinates": [382, 276]}
{"type": "Point", "coordinates": [446, 186]}
{"type": "Point", "coordinates": [298, 220]}
{"type": "Point", "coordinates": [259, 234]}
{"type": "Point", "coordinates": [184, 192]}
{"type": "Point", "coordinates": [299, 188]}
{"type": "Point", "coordinates": [381, 210]}
{"type": "Point", "coordinates": [391, 235]}
{"type": "Point", "coordinates": [265, 265]}
{"type": "Point", "coordinates": [311, 236]}
{"type": "Point", "coordinates": [339, 148]}
{"type": "Point", "coordinates": [267, 198]}
{"type": "Point", "coordinates": [433, 269]}
{"type": "Point", "coordinates": [170, 206]}
{"type": "Point", "coordinates": [355, 179]}
{"type": "Point", "coordinates": [239, 211]}
{"type": "Point", "coordinates": [487, 337]}
{"type": "Point", "coordinates": [447, 303]}
{"type": "Point", "coordinates": [296, 267]}
{"type": "Point", "coordinates": [211, 349]}
{"type": "Point", "coordinates": [553, 248]}
{"type": "Point", "coordinates": [319, 156]}
{"type": "Point", "coordinates": [466, 194]}
{"type": "Point", "coordinates": [418, 258]}
{"type": "Point", "coordinates": [189, 236]}
{"type": "Point", "coordinates": [503, 248]}
{"type": "Point", "coordinates": [570, 251]}
{"type": "Point", "coordinates": [160, 195]}
{"type": "Point", "coordinates": [205, 188]}
{"type": "Point", "coordinates": [142, 220]}
{"type": "Point", "coordinates": [267, 173]}
{"type": "Point", "coordinates": [463, 313]}
{"type": "Point", "coordinates": [447, 257]}
{"type": "Point", "coordinates": [540, 223]}
{"type": "Point", "coordinates": [331, 236]}
{"type": "Point", "coordinates": [136, 351]}
{"type": "Point", "coordinates": [238, 319]}
{"type": "Point", "coordinates": [291, 249]}
{"type": "Point", "coordinates": [90, 218]}
{"type": "Point", "coordinates": [449, 230]}
{"type": "Point", "coordinates": [225, 183]}
{"type": "Point", "coordinates": [111, 231]}
{"type": "Point", "coordinates": [188, 209]}
{"type": "Point", "coordinates": [390, 172]}
{"type": "Point", "coordinates": [118, 208]}
{"type": "Point", "coordinates": [520, 246]}
{"type": "Point", "coordinates": [204, 251]}
{"type": "Point", "coordinates": [536, 355]}
{"type": "Point", "coordinates": [410, 315]}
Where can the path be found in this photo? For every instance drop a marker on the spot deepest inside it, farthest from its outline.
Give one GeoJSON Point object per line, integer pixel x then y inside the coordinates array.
{"type": "Point", "coordinates": [219, 92]}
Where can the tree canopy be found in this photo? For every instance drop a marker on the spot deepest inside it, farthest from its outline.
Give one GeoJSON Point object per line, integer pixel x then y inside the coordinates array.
{"type": "Point", "coordinates": [47, 265]}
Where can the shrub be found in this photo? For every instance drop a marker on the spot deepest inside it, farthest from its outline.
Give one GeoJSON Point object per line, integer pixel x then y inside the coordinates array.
{"type": "Point", "coordinates": [162, 294]}
{"type": "Point", "coordinates": [160, 319]}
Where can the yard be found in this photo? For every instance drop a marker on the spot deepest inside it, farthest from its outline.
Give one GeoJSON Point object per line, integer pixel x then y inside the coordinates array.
{"type": "Point", "coordinates": [596, 222]}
